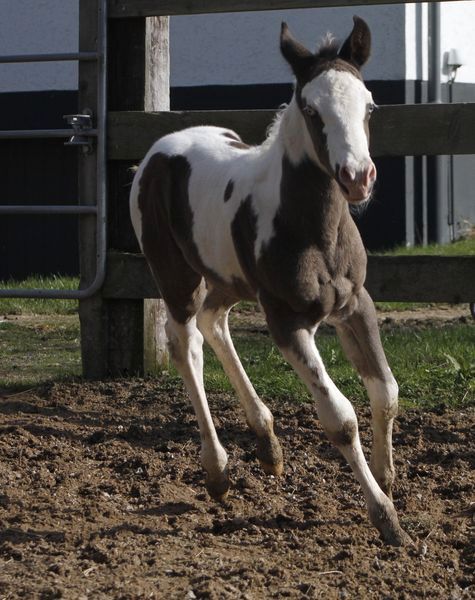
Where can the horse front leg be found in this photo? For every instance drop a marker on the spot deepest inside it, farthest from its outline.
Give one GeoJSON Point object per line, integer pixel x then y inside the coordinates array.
{"type": "Point", "coordinates": [213, 323]}
{"type": "Point", "coordinates": [360, 339]}
{"type": "Point", "coordinates": [336, 414]}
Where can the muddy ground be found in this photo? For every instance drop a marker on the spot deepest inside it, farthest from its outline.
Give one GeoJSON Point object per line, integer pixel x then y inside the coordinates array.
{"type": "Point", "coordinates": [102, 497]}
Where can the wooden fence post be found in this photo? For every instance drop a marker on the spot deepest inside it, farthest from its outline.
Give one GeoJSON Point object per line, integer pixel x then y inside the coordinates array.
{"type": "Point", "coordinates": [157, 98]}
{"type": "Point", "coordinates": [138, 80]}
{"type": "Point", "coordinates": [112, 330]}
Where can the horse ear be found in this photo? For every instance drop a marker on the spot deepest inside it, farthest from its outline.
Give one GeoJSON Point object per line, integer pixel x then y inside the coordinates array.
{"type": "Point", "coordinates": [298, 57]}
{"type": "Point", "coordinates": [356, 49]}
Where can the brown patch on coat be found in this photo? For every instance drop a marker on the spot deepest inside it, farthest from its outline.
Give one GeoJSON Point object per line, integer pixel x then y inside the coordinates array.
{"type": "Point", "coordinates": [164, 178]}
{"type": "Point", "coordinates": [167, 225]}
{"type": "Point", "coordinates": [360, 339]}
{"type": "Point", "coordinates": [345, 435]}
{"type": "Point", "coordinates": [228, 192]}
{"type": "Point", "coordinates": [217, 298]}
{"type": "Point", "coordinates": [232, 135]}
{"type": "Point", "coordinates": [244, 234]}
{"type": "Point", "coordinates": [239, 145]}
{"type": "Point", "coordinates": [316, 258]}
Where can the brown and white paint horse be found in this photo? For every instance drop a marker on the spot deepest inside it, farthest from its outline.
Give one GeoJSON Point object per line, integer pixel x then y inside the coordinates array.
{"type": "Point", "coordinates": [219, 221]}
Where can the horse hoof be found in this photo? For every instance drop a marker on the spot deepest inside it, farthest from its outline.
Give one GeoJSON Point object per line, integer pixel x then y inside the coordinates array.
{"type": "Point", "coordinates": [269, 469]}
{"type": "Point", "coordinates": [384, 518]}
{"type": "Point", "coordinates": [218, 487]}
{"type": "Point", "coordinates": [270, 455]}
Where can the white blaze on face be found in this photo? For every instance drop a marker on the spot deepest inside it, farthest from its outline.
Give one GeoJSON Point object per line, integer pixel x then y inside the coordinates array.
{"type": "Point", "coordinates": [342, 102]}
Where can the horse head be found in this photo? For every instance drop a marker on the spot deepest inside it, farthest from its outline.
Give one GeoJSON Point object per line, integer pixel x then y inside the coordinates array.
{"type": "Point", "coordinates": [336, 107]}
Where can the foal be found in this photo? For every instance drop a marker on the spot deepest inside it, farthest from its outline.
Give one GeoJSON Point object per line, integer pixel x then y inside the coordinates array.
{"type": "Point", "coordinates": [219, 221]}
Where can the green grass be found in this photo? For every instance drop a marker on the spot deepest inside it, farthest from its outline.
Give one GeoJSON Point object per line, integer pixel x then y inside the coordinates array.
{"type": "Point", "coordinates": [434, 367]}
{"type": "Point", "coordinates": [37, 350]}
{"type": "Point", "coordinates": [43, 306]}
{"type": "Point", "coordinates": [459, 248]}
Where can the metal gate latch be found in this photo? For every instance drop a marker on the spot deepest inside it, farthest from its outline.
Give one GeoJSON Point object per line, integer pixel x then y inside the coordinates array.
{"type": "Point", "coordinates": [82, 126]}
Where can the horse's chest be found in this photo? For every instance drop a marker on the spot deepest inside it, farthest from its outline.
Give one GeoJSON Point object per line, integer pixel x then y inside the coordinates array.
{"type": "Point", "coordinates": [311, 280]}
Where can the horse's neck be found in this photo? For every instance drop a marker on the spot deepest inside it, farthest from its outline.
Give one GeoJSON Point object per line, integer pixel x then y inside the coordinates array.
{"type": "Point", "coordinates": [293, 134]}
{"type": "Point", "coordinates": [310, 200]}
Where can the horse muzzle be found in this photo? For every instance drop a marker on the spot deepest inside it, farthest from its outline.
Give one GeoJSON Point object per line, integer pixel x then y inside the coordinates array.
{"type": "Point", "coordinates": [356, 186]}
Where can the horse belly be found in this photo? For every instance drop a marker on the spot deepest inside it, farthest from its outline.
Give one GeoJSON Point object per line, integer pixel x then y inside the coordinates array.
{"type": "Point", "coordinates": [212, 220]}
{"type": "Point", "coordinates": [214, 244]}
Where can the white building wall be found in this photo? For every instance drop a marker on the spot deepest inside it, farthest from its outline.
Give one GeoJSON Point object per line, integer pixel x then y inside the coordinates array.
{"type": "Point", "coordinates": [34, 27]}
{"type": "Point", "coordinates": [243, 48]}
{"type": "Point", "coordinates": [416, 46]}
{"type": "Point", "coordinates": [458, 31]}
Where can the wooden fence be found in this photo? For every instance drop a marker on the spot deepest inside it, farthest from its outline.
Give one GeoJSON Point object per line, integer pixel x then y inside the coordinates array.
{"type": "Point", "coordinates": [113, 322]}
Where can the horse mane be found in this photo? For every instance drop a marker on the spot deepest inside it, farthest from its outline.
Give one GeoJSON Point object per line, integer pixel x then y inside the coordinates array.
{"type": "Point", "coordinates": [272, 130]}
{"type": "Point", "coordinates": [328, 48]}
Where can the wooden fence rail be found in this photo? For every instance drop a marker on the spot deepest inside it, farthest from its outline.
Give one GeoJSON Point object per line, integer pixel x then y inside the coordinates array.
{"type": "Point", "coordinates": [403, 130]}
{"type": "Point", "coordinates": [390, 278]}
{"type": "Point", "coordinates": [151, 8]}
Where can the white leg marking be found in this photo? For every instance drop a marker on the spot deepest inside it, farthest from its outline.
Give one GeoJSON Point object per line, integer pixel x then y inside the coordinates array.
{"type": "Point", "coordinates": [383, 397]}
{"type": "Point", "coordinates": [186, 351]}
{"type": "Point", "coordinates": [361, 342]}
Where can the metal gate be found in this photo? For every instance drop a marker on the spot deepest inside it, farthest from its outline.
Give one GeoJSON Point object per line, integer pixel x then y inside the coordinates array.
{"type": "Point", "coordinates": [92, 141]}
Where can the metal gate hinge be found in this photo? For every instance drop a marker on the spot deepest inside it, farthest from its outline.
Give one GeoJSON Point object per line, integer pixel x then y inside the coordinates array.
{"type": "Point", "coordinates": [81, 126]}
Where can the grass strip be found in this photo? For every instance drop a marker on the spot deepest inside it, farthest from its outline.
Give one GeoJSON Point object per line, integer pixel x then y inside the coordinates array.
{"type": "Point", "coordinates": [434, 366]}
{"type": "Point", "coordinates": [39, 306]}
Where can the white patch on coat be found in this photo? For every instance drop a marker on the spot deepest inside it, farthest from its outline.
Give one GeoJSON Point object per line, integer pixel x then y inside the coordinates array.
{"type": "Point", "coordinates": [213, 162]}
{"type": "Point", "coordinates": [135, 212]}
{"type": "Point", "coordinates": [255, 172]}
{"type": "Point", "coordinates": [342, 102]}
{"type": "Point", "coordinates": [383, 395]}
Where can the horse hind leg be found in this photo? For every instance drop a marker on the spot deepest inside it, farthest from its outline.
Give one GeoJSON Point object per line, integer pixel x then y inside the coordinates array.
{"type": "Point", "coordinates": [186, 351]}
{"type": "Point", "coordinates": [213, 323]}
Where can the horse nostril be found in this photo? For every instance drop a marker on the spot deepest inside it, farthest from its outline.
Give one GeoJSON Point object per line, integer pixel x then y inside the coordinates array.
{"type": "Point", "coordinates": [347, 175]}
{"type": "Point", "coordinates": [372, 173]}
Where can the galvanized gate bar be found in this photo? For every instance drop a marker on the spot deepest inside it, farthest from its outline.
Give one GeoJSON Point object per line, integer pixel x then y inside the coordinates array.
{"type": "Point", "coordinates": [40, 134]}
{"type": "Point", "coordinates": [58, 57]}
{"type": "Point", "coordinates": [28, 209]}
{"type": "Point", "coordinates": [99, 210]}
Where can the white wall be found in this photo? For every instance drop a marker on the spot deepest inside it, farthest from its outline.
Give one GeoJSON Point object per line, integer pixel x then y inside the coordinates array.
{"type": "Point", "coordinates": [416, 47]}
{"type": "Point", "coordinates": [458, 31]}
{"type": "Point", "coordinates": [34, 27]}
{"type": "Point", "coordinates": [239, 48]}
{"type": "Point", "coordinates": [243, 48]}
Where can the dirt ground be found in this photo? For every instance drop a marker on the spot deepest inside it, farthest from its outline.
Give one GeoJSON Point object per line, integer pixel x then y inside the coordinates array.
{"type": "Point", "coordinates": [102, 497]}
{"type": "Point", "coordinates": [247, 318]}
